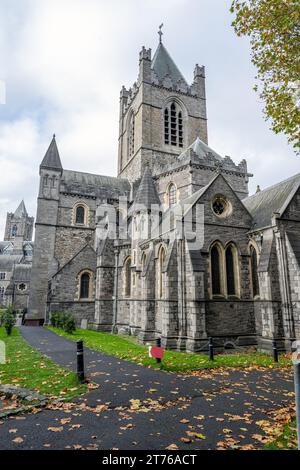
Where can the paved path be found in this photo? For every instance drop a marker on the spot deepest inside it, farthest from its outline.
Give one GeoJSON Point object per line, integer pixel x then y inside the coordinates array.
{"type": "Point", "coordinates": [219, 407]}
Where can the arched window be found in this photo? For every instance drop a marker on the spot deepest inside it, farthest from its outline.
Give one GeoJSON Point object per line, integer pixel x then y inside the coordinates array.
{"type": "Point", "coordinates": [127, 277]}
{"type": "Point", "coordinates": [254, 273]}
{"type": "Point", "coordinates": [80, 215]}
{"type": "Point", "coordinates": [85, 280]}
{"type": "Point", "coordinates": [131, 129]}
{"type": "Point", "coordinates": [215, 261]}
{"type": "Point", "coordinates": [230, 270]}
{"type": "Point", "coordinates": [161, 277]}
{"type": "Point", "coordinates": [173, 125]}
{"type": "Point", "coordinates": [2, 291]}
{"type": "Point", "coordinates": [14, 231]}
{"type": "Point", "coordinates": [172, 195]}
{"type": "Point", "coordinates": [143, 261]}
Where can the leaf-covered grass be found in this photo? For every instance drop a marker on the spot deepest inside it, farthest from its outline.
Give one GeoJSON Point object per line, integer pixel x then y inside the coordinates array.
{"type": "Point", "coordinates": [26, 367]}
{"type": "Point", "coordinates": [127, 348]}
{"type": "Point", "coordinates": [287, 440]}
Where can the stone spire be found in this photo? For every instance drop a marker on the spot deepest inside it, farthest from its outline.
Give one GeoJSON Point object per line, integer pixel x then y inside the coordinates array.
{"type": "Point", "coordinates": [52, 159]}
{"type": "Point", "coordinates": [21, 210]}
{"type": "Point", "coordinates": [147, 194]}
{"type": "Point", "coordinates": [163, 65]}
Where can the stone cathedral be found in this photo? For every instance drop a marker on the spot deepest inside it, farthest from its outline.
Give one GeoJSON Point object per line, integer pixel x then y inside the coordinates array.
{"type": "Point", "coordinates": [135, 273]}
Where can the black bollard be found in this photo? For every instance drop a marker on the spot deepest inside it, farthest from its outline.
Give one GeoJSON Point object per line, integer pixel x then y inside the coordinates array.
{"type": "Point", "coordinates": [80, 361]}
{"type": "Point", "coordinates": [211, 349]}
{"type": "Point", "coordinates": [275, 351]}
{"type": "Point", "coordinates": [158, 344]}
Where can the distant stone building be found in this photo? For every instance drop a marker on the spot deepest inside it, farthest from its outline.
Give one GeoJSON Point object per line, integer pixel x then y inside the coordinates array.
{"type": "Point", "coordinates": [16, 258]}
{"type": "Point", "coordinates": [128, 266]}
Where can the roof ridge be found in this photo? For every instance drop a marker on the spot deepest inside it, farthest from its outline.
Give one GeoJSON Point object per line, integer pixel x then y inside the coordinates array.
{"type": "Point", "coordinates": [272, 187]}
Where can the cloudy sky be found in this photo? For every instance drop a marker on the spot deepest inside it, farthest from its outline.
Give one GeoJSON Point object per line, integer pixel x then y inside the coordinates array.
{"type": "Point", "coordinates": [63, 63]}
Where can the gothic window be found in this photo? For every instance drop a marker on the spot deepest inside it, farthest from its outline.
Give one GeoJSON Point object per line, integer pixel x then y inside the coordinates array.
{"type": "Point", "coordinates": [80, 215]}
{"type": "Point", "coordinates": [172, 195]}
{"type": "Point", "coordinates": [173, 125]}
{"type": "Point", "coordinates": [221, 207]}
{"type": "Point", "coordinates": [85, 280]}
{"type": "Point", "coordinates": [167, 126]}
{"type": "Point", "coordinates": [127, 277]}
{"type": "Point", "coordinates": [254, 273]}
{"type": "Point", "coordinates": [2, 276]}
{"type": "Point", "coordinates": [2, 291]}
{"type": "Point", "coordinates": [230, 270]}
{"type": "Point", "coordinates": [161, 276]}
{"type": "Point", "coordinates": [131, 130]}
{"type": "Point", "coordinates": [144, 258]}
{"type": "Point", "coordinates": [215, 260]}
{"type": "Point", "coordinates": [14, 231]}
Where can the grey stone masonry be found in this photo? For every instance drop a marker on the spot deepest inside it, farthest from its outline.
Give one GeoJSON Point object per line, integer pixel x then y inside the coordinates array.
{"type": "Point", "coordinates": [206, 261]}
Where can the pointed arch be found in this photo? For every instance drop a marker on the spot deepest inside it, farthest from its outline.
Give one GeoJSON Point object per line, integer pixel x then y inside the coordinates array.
{"type": "Point", "coordinates": [127, 277]}
{"type": "Point", "coordinates": [216, 269]}
{"type": "Point", "coordinates": [160, 271]}
{"type": "Point", "coordinates": [254, 270]}
{"type": "Point", "coordinates": [172, 194]}
{"type": "Point", "coordinates": [232, 270]}
{"type": "Point", "coordinates": [173, 124]}
{"type": "Point", "coordinates": [131, 135]}
{"type": "Point", "coordinates": [14, 231]}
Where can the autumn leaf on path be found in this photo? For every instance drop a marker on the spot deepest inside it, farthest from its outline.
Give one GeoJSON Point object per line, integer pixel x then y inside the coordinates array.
{"type": "Point", "coordinates": [56, 429]}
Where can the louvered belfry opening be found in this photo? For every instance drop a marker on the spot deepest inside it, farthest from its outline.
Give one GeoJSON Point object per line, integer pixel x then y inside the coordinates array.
{"type": "Point", "coordinates": [173, 126]}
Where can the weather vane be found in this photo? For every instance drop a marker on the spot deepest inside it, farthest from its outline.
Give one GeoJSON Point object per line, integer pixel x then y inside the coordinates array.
{"type": "Point", "coordinates": [160, 33]}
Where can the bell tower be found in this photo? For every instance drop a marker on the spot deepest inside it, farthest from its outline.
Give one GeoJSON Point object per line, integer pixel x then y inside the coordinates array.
{"type": "Point", "coordinates": [160, 115]}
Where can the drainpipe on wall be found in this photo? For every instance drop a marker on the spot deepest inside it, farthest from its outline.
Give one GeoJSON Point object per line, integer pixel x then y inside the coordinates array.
{"type": "Point", "coordinates": [115, 297]}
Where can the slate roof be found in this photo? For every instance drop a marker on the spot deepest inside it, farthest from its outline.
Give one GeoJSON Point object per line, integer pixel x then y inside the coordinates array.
{"type": "Point", "coordinates": [22, 272]}
{"type": "Point", "coordinates": [7, 261]}
{"type": "Point", "coordinates": [21, 210]}
{"type": "Point", "coordinates": [163, 65]}
{"type": "Point", "coordinates": [263, 204]}
{"type": "Point", "coordinates": [147, 194]}
{"type": "Point", "coordinates": [94, 185]}
{"type": "Point", "coordinates": [52, 159]}
{"type": "Point", "coordinates": [201, 149]}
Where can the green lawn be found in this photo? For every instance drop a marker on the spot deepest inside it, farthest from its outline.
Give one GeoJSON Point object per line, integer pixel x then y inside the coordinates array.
{"type": "Point", "coordinates": [287, 440]}
{"type": "Point", "coordinates": [127, 348]}
{"type": "Point", "coordinates": [26, 367]}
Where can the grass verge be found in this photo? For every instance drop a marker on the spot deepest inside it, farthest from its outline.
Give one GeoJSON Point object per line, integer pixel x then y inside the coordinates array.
{"type": "Point", "coordinates": [26, 367]}
{"type": "Point", "coordinates": [287, 440]}
{"type": "Point", "coordinates": [127, 348]}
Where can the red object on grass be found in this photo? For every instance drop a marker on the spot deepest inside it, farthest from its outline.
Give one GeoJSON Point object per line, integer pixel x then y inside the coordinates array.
{"type": "Point", "coordinates": [156, 352]}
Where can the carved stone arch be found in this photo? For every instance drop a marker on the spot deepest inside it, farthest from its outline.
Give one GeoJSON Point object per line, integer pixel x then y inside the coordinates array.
{"type": "Point", "coordinates": [85, 285]}
{"type": "Point", "coordinates": [130, 132]}
{"type": "Point", "coordinates": [216, 269]}
{"type": "Point", "coordinates": [171, 194]}
{"type": "Point", "coordinates": [254, 257]}
{"type": "Point", "coordinates": [127, 280]}
{"type": "Point", "coordinates": [232, 270]}
{"type": "Point", "coordinates": [174, 118]}
{"type": "Point", "coordinates": [80, 212]}
{"type": "Point", "coordinates": [162, 254]}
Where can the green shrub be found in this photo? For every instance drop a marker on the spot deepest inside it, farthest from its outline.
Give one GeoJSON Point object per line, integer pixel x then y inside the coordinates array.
{"type": "Point", "coordinates": [69, 324]}
{"type": "Point", "coordinates": [8, 320]}
{"type": "Point", "coordinates": [2, 312]}
{"type": "Point", "coordinates": [64, 321]}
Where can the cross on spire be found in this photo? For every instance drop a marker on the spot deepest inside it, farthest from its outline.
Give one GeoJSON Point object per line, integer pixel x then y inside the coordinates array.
{"type": "Point", "coordinates": [160, 33]}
